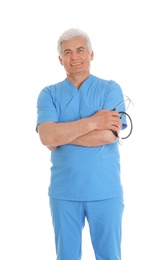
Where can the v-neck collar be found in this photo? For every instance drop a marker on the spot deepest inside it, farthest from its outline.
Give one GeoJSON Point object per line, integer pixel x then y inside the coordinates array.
{"type": "Point", "coordinates": [73, 89]}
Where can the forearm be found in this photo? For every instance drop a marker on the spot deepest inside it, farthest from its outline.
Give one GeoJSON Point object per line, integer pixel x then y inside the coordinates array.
{"type": "Point", "coordinates": [56, 134]}
{"type": "Point", "coordinates": [95, 138]}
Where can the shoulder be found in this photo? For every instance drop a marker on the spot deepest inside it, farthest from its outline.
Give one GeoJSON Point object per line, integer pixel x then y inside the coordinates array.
{"type": "Point", "coordinates": [52, 89]}
{"type": "Point", "coordinates": [108, 83]}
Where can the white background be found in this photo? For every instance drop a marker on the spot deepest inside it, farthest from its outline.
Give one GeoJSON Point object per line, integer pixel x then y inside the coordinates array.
{"type": "Point", "coordinates": [130, 41]}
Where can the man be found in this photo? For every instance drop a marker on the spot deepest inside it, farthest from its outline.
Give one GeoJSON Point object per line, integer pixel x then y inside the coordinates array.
{"type": "Point", "coordinates": [77, 123]}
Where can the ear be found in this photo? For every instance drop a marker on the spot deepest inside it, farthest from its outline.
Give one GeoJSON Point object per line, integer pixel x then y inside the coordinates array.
{"type": "Point", "coordinates": [60, 59]}
{"type": "Point", "coordinates": [92, 55]}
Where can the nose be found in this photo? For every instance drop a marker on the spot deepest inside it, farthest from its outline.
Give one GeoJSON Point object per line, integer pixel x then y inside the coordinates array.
{"type": "Point", "coordinates": [73, 55]}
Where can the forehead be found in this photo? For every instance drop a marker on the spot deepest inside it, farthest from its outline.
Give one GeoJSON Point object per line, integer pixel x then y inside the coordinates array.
{"type": "Point", "coordinates": [74, 43]}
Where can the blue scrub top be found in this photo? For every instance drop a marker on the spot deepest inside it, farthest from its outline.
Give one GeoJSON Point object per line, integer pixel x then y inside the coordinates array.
{"type": "Point", "coordinates": [82, 173]}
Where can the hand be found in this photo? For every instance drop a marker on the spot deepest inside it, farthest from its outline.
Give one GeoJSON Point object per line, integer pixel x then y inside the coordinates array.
{"type": "Point", "coordinates": [52, 148]}
{"type": "Point", "coordinates": [107, 120]}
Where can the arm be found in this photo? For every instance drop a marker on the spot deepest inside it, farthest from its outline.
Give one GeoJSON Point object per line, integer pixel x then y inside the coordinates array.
{"type": "Point", "coordinates": [92, 139]}
{"type": "Point", "coordinates": [95, 138]}
{"type": "Point", "coordinates": [56, 134]}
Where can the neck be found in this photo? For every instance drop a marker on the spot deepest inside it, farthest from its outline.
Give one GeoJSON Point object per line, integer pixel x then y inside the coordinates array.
{"type": "Point", "coordinates": [77, 80]}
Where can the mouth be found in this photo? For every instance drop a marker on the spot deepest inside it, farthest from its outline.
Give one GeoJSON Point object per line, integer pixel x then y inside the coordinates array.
{"type": "Point", "coordinates": [76, 64]}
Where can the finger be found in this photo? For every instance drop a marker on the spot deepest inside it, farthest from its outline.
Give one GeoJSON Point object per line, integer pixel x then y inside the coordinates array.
{"type": "Point", "coordinates": [115, 113]}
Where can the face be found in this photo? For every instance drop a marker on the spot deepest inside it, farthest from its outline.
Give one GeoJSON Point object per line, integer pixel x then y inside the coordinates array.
{"type": "Point", "coordinates": [75, 56]}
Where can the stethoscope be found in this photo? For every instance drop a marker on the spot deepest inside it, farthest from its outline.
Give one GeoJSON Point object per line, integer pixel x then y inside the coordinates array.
{"type": "Point", "coordinates": [128, 117]}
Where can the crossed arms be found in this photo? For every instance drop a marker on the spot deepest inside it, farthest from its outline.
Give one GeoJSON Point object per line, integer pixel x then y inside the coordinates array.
{"type": "Point", "coordinates": [90, 131]}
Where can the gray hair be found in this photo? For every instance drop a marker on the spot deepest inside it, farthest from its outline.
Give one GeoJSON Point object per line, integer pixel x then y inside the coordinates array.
{"type": "Point", "coordinates": [73, 33]}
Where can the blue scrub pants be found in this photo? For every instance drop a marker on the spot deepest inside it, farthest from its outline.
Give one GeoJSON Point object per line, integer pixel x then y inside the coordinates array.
{"type": "Point", "coordinates": [105, 224]}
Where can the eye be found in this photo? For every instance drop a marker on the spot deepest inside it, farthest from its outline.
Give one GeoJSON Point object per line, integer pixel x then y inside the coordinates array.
{"type": "Point", "coordinates": [81, 50]}
{"type": "Point", "coordinates": [67, 53]}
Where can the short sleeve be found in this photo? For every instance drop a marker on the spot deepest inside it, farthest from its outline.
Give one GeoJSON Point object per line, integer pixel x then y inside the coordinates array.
{"type": "Point", "coordinates": [115, 100]}
{"type": "Point", "coordinates": [46, 108]}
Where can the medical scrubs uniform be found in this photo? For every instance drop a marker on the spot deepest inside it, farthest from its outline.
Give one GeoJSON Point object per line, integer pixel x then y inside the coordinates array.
{"type": "Point", "coordinates": [85, 181]}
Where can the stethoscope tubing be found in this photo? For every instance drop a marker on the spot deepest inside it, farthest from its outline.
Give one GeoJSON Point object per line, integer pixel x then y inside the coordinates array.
{"type": "Point", "coordinates": [116, 134]}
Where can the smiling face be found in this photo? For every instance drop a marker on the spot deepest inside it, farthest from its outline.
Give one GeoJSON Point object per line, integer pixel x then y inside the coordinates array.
{"type": "Point", "coordinates": [75, 57]}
